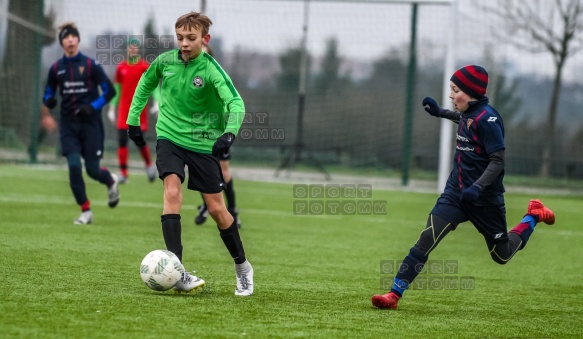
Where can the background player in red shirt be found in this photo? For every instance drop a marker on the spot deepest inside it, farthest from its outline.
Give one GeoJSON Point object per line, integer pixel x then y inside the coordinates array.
{"type": "Point", "coordinates": [127, 76]}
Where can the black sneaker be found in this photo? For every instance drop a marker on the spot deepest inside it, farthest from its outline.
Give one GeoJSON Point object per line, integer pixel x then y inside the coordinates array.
{"type": "Point", "coordinates": [203, 213]}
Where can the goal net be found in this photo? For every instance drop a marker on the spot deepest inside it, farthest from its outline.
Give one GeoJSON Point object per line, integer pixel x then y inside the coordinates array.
{"type": "Point", "coordinates": [353, 108]}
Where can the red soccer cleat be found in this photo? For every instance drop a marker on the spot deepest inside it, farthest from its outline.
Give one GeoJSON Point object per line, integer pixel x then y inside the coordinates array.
{"type": "Point", "coordinates": [388, 300]}
{"type": "Point", "coordinates": [544, 214]}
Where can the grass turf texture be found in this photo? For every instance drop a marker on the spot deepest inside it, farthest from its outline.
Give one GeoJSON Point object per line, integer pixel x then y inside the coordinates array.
{"type": "Point", "coordinates": [314, 275]}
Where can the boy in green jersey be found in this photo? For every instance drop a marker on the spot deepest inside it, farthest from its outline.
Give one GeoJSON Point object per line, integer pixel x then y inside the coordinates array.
{"type": "Point", "coordinates": [200, 113]}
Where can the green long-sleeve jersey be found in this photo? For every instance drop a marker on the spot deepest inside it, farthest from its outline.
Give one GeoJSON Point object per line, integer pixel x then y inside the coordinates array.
{"type": "Point", "coordinates": [198, 102]}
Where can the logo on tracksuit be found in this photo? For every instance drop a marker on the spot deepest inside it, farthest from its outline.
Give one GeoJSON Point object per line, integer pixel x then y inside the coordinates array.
{"type": "Point", "coordinates": [197, 81]}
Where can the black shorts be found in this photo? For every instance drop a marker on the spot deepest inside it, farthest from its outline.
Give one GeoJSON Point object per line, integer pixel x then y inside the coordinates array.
{"type": "Point", "coordinates": [83, 137]}
{"type": "Point", "coordinates": [488, 214]}
{"type": "Point", "coordinates": [204, 170]}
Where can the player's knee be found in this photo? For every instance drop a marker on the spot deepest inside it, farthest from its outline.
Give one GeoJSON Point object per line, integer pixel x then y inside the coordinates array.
{"type": "Point", "coordinates": [93, 172]}
{"type": "Point", "coordinates": [173, 195]}
{"type": "Point", "coordinates": [74, 163]}
{"type": "Point", "coordinates": [499, 259]}
{"type": "Point", "coordinates": [425, 244]}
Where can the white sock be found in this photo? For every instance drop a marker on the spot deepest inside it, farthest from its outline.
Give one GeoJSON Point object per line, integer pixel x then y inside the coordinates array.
{"type": "Point", "coordinates": [243, 268]}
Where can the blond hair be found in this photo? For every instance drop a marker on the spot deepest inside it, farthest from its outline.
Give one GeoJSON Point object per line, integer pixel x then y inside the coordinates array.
{"type": "Point", "coordinates": [194, 20]}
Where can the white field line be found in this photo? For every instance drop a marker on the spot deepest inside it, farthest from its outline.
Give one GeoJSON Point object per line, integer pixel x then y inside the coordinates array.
{"type": "Point", "coordinates": [52, 200]}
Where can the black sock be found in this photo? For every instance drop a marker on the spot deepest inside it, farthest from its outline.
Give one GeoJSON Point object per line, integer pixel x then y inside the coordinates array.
{"type": "Point", "coordinates": [172, 230]}
{"type": "Point", "coordinates": [233, 243]}
{"type": "Point", "coordinates": [230, 194]}
{"type": "Point", "coordinates": [409, 270]}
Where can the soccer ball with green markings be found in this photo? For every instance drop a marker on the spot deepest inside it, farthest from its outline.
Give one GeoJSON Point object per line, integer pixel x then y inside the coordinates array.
{"type": "Point", "coordinates": [160, 270]}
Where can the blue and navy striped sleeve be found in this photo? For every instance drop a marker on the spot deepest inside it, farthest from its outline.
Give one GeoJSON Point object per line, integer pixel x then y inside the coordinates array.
{"type": "Point", "coordinates": [107, 89]}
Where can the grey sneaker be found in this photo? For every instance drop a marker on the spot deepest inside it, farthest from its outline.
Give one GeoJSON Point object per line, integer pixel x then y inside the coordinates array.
{"type": "Point", "coordinates": [151, 172]}
{"type": "Point", "coordinates": [244, 283]}
{"type": "Point", "coordinates": [113, 192]}
{"type": "Point", "coordinates": [85, 218]}
{"type": "Point", "coordinates": [188, 282]}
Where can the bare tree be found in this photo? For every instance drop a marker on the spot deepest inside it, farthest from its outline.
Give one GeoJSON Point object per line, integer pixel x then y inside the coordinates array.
{"type": "Point", "coordinates": [543, 26]}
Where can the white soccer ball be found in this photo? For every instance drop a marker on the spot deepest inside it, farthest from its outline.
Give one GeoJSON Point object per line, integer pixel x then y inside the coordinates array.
{"type": "Point", "coordinates": [160, 270]}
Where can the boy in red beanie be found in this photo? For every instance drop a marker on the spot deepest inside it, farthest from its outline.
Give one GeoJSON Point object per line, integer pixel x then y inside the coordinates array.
{"type": "Point", "coordinates": [474, 191]}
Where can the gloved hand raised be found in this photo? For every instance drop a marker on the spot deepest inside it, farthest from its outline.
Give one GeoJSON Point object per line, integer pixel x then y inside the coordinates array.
{"type": "Point", "coordinates": [84, 111]}
{"type": "Point", "coordinates": [223, 143]}
{"type": "Point", "coordinates": [471, 193]}
{"type": "Point", "coordinates": [135, 133]}
{"type": "Point", "coordinates": [432, 107]}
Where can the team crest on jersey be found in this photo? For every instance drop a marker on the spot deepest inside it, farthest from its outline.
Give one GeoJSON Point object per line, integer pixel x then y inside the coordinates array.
{"type": "Point", "coordinates": [197, 81]}
{"type": "Point", "coordinates": [81, 69]}
{"type": "Point", "coordinates": [470, 121]}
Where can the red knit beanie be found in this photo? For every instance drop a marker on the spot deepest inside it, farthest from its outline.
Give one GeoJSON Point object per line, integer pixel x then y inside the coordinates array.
{"type": "Point", "coordinates": [472, 80]}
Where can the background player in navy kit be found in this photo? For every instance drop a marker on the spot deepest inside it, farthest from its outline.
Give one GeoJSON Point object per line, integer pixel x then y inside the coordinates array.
{"type": "Point", "coordinates": [474, 190]}
{"type": "Point", "coordinates": [229, 189]}
{"type": "Point", "coordinates": [78, 79]}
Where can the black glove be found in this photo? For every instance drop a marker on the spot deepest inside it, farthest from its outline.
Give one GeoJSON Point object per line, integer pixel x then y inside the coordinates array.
{"type": "Point", "coordinates": [135, 133]}
{"type": "Point", "coordinates": [84, 111]}
{"type": "Point", "coordinates": [223, 143]}
{"type": "Point", "coordinates": [51, 103]}
{"type": "Point", "coordinates": [471, 193]}
{"type": "Point", "coordinates": [432, 107]}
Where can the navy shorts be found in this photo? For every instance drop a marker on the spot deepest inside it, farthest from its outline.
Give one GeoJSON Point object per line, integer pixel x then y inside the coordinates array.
{"type": "Point", "coordinates": [84, 137]}
{"type": "Point", "coordinates": [488, 214]}
{"type": "Point", "coordinates": [204, 170]}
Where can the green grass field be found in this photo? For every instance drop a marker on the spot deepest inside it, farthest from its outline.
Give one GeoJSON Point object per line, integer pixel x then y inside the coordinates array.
{"type": "Point", "coordinates": [314, 275]}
